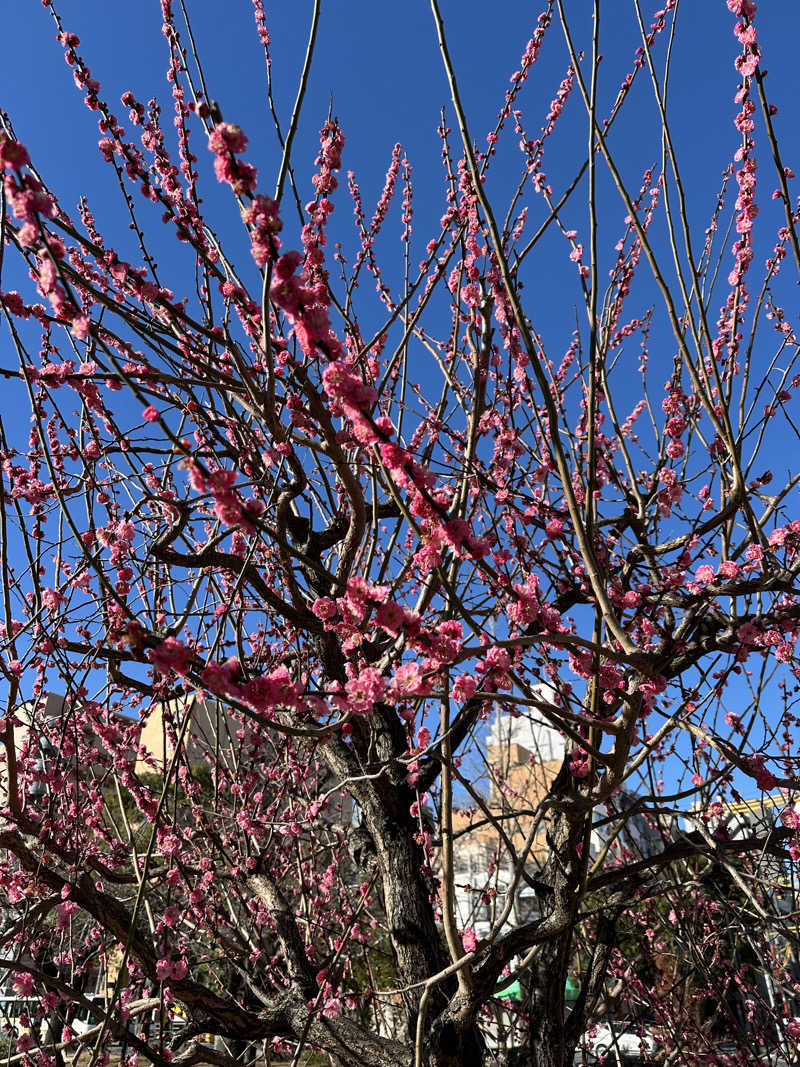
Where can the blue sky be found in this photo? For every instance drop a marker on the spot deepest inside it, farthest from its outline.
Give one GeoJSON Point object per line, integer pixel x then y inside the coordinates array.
{"type": "Point", "coordinates": [380, 65]}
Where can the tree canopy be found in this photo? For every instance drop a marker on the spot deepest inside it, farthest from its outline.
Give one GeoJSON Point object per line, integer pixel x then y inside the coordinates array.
{"type": "Point", "coordinates": [317, 498]}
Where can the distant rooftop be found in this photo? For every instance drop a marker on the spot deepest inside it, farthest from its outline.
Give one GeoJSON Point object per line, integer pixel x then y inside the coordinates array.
{"type": "Point", "coordinates": [530, 730]}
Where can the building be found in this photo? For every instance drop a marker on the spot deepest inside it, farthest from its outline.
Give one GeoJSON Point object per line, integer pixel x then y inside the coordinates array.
{"type": "Point", "coordinates": [524, 755]}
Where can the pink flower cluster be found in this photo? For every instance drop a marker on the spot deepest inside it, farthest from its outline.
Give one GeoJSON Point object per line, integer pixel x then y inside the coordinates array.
{"type": "Point", "coordinates": [24, 984]}
{"type": "Point", "coordinates": [362, 691]}
{"type": "Point", "coordinates": [118, 537]}
{"type": "Point", "coordinates": [425, 503]}
{"type": "Point", "coordinates": [525, 609]}
{"type": "Point", "coordinates": [275, 689]}
{"type": "Point", "coordinates": [48, 286]}
{"type": "Point", "coordinates": [746, 207]}
{"type": "Point", "coordinates": [225, 141]}
{"type": "Point", "coordinates": [229, 507]}
{"type": "Point", "coordinates": [325, 182]}
{"type": "Point", "coordinates": [579, 764]}
{"type": "Point", "coordinates": [609, 676]}
{"type": "Point", "coordinates": [171, 655]}
{"type": "Point", "coordinates": [348, 617]}
{"type": "Point", "coordinates": [352, 396]}
{"type": "Point", "coordinates": [13, 155]}
{"type": "Point", "coordinates": [52, 600]}
{"type": "Point", "coordinates": [765, 779]}
{"type": "Point", "coordinates": [745, 32]}
{"type": "Point", "coordinates": [272, 690]}
{"type": "Point", "coordinates": [25, 1042]}
{"type": "Point", "coordinates": [493, 669]}
{"type": "Point", "coordinates": [463, 688]}
{"type": "Point", "coordinates": [783, 537]}
{"type": "Point", "coordinates": [790, 817]}
{"type": "Point", "coordinates": [469, 939]}
{"type": "Point", "coordinates": [408, 681]}
{"type": "Point", "coordinates": [14, 304]}
{"type": "Point", "coordinates": [368, 235]}
{"type": "Point", "coordinates": [306, 304]}
{"type": "Point", "coordinates": [29, 200]}
{"type": "Point", "coordinates": [534, 149]}
{"type": "Point", "coordinates": [262, 218]}
{"type": "Point", "coordinates": [705, 575]}
{"type": "Point", "coordinates": [167, 968]}
{"type": "Point", "coordinates": [66, 909]}
{"type": "Point", "coordinates": [519, 77]}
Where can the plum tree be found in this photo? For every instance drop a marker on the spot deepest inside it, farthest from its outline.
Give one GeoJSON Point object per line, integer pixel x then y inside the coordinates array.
{"type": "Point", "coordinates": [320, 532]}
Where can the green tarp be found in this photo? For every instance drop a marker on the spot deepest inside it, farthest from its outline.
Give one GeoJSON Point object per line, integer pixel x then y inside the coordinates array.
{"type": "Point", "coordinates": [509, 992]}
{"type": "Point", "coordinates": [514, 992]}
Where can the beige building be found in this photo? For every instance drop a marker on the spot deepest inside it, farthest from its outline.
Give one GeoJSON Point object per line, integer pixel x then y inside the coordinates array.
{"type": "Point", "coordinates": [48, 736]}
{"type": "Point", "coordinates": [524, 755]}
{"type": "Point", "coordinates": [211, 731]}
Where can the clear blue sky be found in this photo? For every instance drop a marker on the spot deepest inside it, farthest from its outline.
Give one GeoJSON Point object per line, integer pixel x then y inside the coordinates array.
{"type": "Point", "coordinates": [381, 64]}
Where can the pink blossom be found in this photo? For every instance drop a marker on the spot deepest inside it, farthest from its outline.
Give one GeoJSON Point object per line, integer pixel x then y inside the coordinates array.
{"type": "Point", "coordinates": [273, 689]}
{"type": "Point", "coordinates": [784, 652]}
{"type": "Point", "coordinates": [579, 764]}
{"type": "Point", "coordinates": [65, 911]}
{"type": "Point", "coordinates": [262, 216]}
{"type": "Point", "coordinates": [332, 1008]}
{"type": "Point", "coordinates": [748, 633]}
{"type": "Point", "coordinates": [463, 688]}
{"type": "Point", "coordinates": [390, 617]}
{"type": "Point", "coordinates": [14, 303]}
{"type": "Point", "coordinates": [408, 681]}
{"type": "Point", "coordinates": [150, 414]}
{"type": "Point", "coordinates": [469, 939]}
{"type": "Point", "coordinates": [13, 155]}
{"type": "Point", "coordinates": [171, 655]}
{"type": "Point", "coordinates": [217, 677]}
{"type": "Point", "coordinates": [705, 574]}
{"type": "Point", "coordinates": [24, 1042]}
{"type": "Point", "coordinates": [23, 984]}
{"type": "Point", "coordinates": [52, 599]}
{"type": "Point", "coordinates": [362, 691]}
{"type": "Point", "coordinates": [226, 137]}
{"type": "Point", "coordinates": [324, 608]}
{"type": "Point", "coordinates": [765, 779]}
{"type": "Point", "coordinates": [171, 915]}
{"type": "Point", "coordinates": [728, 570]}
{"type": "Point", "coordinates": [497, 659]}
